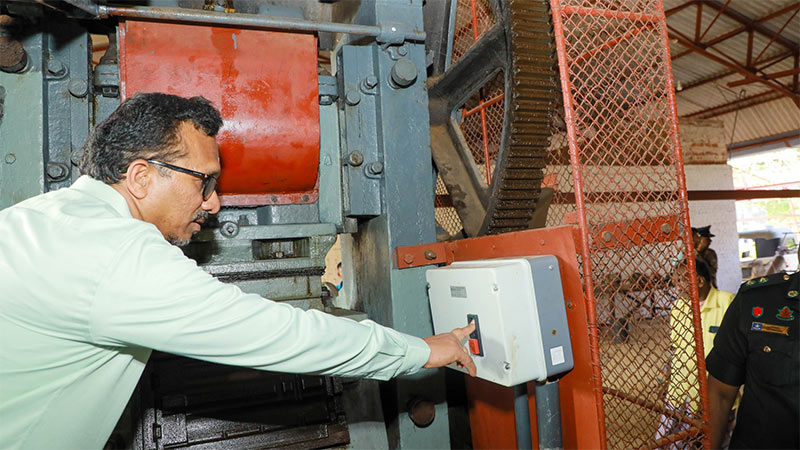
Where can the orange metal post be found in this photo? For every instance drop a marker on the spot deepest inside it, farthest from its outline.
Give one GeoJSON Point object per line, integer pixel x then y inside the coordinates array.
{"type": "Point", "coordinates": [492, 406]}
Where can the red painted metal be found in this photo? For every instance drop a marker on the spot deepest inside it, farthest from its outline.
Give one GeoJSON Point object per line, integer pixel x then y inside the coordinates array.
{"type": "Point", "coordinates": [769, 76]}
{"type": "Point", "coordinates": [755, 25]}
{"type": "Point", "coordinates": [736, 104]}
{"type": "Point", "coordinates": [719, 13]}
{"type": "Point", "coordinates": [269, 143]}
{"type": "Point", "coordinates": [687, 236]}
{"type": "Point", "coordinates": [678, 8]}
{"type": "Point", "coordinates": [609, 13]}
{"type": "Point", "coordinates": [625, 189]}
{"type": "Point", "coordinates": [572, 138]}
{"type": "Point", "coordinates": [491, 406]}
{"type": "Point", "coordinates": [686, 42]}
{"type": "Point", "coordinates": [483, 105]}
{"type": "Point", "coordinates": [768, 62]}
{"type": "Point", "coordinates": [774, 38]}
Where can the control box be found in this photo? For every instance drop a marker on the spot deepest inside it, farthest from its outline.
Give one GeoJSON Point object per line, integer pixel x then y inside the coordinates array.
{"type": "Point", "coordinates": [518, 307]}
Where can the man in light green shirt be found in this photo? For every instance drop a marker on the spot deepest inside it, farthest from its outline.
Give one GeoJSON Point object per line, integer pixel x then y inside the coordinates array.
{"type": "Point", "coordinates": [90, 284]}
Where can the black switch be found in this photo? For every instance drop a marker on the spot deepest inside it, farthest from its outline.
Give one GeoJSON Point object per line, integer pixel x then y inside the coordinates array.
{"type": "Point", "coordinates": [475, 342]}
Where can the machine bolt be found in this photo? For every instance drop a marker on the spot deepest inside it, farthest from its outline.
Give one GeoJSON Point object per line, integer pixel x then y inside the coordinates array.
{"type": "Point", "coordinates": [430, 255]}
{"type": "Point", "coordinates": [404, 73]}
{"type": "Point", "coordinates": [13, 57]}
{"type": "Point", "coordinates": [570, 305]}
{"type": "Point", "coordinates": [79, 88]}
{"type": "Point", "coordinates": [229, 229]}
{"type": "Point", "coordinates": [408, 258]}
{"type": "Point", "coordinates": [421, 412]}
{"type": "Point", "coordinates": [57, 171]}
{"type": "Point", "coordinates": [607, 236]}
{"type": "Point", "coordinates": [402, 51]}
{"type": "Point", "coordinates": [666, 229]}
{"type": "Point", "coordinates": [375, 168]}
{"type": "Point", "coordinates": [352, 97]}
{"type": "Point", "coordinates": [56, 67]}
{"type": "Point", "coordinates": [355, 158]}
{"type": "Point", "coordinates": [371, 81]}
{"type": "Point", "coordinates": [11, 158]}
{"type": "Point", "coordinates": [325, 100]}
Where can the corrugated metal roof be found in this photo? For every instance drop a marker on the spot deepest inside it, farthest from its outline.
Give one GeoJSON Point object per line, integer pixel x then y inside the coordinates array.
{"type": "Point", "coordinates": [775, 115]}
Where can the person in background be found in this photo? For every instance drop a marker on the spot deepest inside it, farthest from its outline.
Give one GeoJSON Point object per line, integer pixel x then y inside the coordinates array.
{"type": "Point", "coordinates": [682, 396]}
{"type": "Point", "coordinates": [757, 346]}
{"type": "Point", "coordinates": [702, 241]}
{"type": "Point", "coordinates": [341, 280]}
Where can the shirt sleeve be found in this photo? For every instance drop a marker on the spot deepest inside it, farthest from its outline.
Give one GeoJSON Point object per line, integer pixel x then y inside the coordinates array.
{"type": "Point", "coordinates": [727, 359]}
{"type": "Point", "coordinates": [155, 297]}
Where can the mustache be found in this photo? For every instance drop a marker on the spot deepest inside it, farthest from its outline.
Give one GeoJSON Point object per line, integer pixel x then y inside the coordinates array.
{"type": "Point", "coordinates": [201, 215]}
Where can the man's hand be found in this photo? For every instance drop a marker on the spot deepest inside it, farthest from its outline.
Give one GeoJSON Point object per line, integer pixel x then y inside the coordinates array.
{"type": "Point", "coordinates": [447, 348]}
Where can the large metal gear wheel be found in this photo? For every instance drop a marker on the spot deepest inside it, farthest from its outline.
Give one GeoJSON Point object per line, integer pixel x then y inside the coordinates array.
{"type": "Point", "coordinates": [513, 62]}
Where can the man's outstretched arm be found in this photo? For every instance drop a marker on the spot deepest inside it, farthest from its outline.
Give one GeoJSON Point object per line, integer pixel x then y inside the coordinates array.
{"type": "Point", "coordinates": [446, 348]}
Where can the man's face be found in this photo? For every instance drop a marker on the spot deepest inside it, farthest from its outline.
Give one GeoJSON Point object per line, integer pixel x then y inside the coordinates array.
{"type": "Point", "coordinates": [178, 206]}
{"type": "Point", "coordinates": [704, 243]}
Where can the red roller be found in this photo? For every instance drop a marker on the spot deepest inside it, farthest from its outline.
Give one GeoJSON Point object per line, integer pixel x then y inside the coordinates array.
{"type": "Point", "coordinates": [263, 82]}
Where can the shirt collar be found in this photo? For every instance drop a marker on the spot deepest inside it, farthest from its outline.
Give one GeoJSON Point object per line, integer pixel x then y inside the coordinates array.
{"type": "Point", "coordinates": [711, 300]}
{"type": "Point", "coordinates": [103, 192]}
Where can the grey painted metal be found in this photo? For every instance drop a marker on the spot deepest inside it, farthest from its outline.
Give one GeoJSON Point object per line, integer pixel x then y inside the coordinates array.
{"type": "Point", "coordinates": [22, 129]}
{"type": "Point", "coordinates": [362, 196]}
{"type": "Point", "coordinates": [45, 121]}
{"type": "Point", "coordinates": [393, 297]}
{"type": "Point", "coordinates": [522, 417]}
{"type": "Point", "coordinates": [388, 31]}
{"type": "Point", "coordinates": [330, 201]}
{"type": "Point", "coordinates": [548, 415]}
{"type": "Point", "coordinates": [552, 312]}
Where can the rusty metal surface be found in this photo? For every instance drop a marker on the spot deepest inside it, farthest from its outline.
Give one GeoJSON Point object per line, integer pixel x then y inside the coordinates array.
{"type": "Point", "coordinates": [492, 406]}
{"type": "Point", "coordinates": [269, 144]}
{"type": "Point", "coordinates": [503, 82]}
{"type": "Point", "coordinates": [624, 187]}
{"type": "Point", "coordinates": [185, 403]}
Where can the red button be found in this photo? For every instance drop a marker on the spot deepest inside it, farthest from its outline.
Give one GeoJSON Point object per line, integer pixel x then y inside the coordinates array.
{"type": "Point", "coordinates": [474, 347]}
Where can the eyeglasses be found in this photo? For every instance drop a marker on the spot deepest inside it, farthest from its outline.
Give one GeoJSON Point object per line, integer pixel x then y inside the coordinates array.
{"type": "Point", "coordinates": [209, 181]}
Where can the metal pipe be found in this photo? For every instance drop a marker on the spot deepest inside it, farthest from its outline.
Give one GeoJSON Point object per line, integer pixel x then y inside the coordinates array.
{"type": "Point", "coordinates": [522, 417]}
{"type": "Point", "coordinates": [548, 415]}
{"type": "Point", "coordinates": [391, 33]}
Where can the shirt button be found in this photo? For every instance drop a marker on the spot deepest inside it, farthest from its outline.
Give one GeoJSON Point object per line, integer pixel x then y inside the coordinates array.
{"type": "Point", "coordinates": [767, 349]}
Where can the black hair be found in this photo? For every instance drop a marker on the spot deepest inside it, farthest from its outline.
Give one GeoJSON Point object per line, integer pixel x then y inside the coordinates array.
{"type": "Point", "coordinates": [702, 270]}
{"type": "Point", "coordinates": [339, 266]}
{"type": "Point", "coordinates": [145, 126]}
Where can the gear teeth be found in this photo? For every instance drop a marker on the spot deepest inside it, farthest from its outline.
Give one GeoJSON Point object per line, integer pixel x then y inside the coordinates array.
{"type": "Point", "coordinates": [532, 99]}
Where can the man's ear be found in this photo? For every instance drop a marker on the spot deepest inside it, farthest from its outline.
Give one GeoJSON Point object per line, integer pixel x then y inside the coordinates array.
{"type": "Point", "coordinates": [701, 282]}
{"type": "Point", "coordinates": [138, 178]}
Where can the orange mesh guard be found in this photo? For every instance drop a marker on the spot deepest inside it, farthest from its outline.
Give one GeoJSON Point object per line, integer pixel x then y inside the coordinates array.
{"type": "Point", "coordinates": [624, 186]}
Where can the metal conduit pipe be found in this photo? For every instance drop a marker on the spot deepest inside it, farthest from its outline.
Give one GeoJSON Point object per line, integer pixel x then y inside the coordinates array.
{"type": "Point", "coordinates": [522, 417]}
{"type": "Point", "coordinates": [384, 32]}
{"type": "Point", "coordinates": [548, 415]}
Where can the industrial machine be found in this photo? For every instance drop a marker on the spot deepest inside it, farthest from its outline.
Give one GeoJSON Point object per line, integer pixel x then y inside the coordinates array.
{"type": "Point", "coordinates": [392, 124]}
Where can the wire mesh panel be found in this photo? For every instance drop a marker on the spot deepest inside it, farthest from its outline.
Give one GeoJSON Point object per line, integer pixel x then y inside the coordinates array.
{"type": "Point", "coordinates": [617, 171]}
{"type": "Point", "coordinates": [473, 19]}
